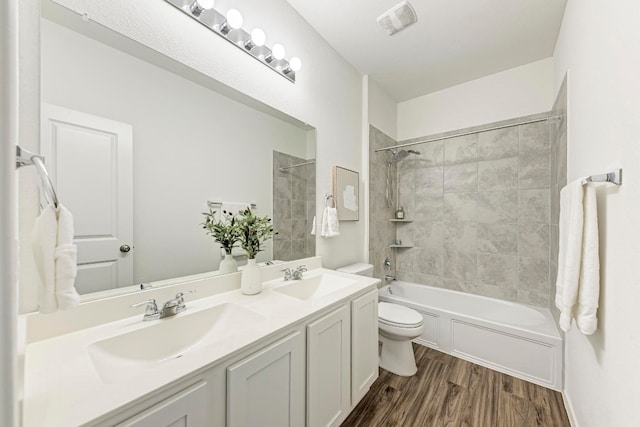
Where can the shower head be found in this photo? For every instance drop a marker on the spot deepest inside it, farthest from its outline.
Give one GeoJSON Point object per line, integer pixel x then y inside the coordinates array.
{"type": "Point", "coordinates": [397, 155]}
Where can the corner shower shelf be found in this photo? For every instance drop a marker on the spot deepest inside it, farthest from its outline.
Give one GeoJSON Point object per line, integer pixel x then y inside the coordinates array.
{"type": "Point", "coordinates": [400, 221]}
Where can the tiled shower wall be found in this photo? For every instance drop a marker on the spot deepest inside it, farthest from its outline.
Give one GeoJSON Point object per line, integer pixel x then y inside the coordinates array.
{"type": "Point", "coordinates": [480, 206]}
{"type": "Point", "coordinates": [294, 195]}
{"type": "Point", "coordinates": [558, 138]}
{"type": "Point", "coordinates": [381, 231]}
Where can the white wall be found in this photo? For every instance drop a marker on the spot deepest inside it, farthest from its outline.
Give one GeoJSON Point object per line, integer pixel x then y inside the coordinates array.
{"type": "Point", "coordinates": [203, 149]}
{"type": "Point", "coordinates": [517, 92]}
{"type": "Point", "coordinates": [9, 379]}
{"type": "Point", "coordinates": [382, 110]}
{"type": "Point", "coordinates": [29, 100]}
{"type": "Point", "coordinates": [598, 45]}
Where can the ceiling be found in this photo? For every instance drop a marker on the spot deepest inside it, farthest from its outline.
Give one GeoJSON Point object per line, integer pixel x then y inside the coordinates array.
{"type": "Point", "coordinates": [454, 41]}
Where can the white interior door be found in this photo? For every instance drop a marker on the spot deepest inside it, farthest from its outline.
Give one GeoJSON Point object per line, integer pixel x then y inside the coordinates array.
{"type": "Point", "coordinates": [89, 159]}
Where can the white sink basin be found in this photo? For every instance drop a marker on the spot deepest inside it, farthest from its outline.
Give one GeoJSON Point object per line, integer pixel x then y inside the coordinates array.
{"type": "Point", "coordinates": [315, 286]}
{"type": "Point", "coordinates": [118, 357]}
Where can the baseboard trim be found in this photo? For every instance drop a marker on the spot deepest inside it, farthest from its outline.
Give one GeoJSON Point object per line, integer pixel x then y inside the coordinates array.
{"type": "Point", "coordinates": [569, 408]}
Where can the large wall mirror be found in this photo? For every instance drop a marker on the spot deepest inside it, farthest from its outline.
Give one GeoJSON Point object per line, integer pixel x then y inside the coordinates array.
{"type": "Point", "coordinates": [139, 150]}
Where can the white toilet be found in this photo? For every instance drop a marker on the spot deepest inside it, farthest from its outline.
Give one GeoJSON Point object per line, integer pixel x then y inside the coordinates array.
{"type": "Point", "coordinates": [397, 326]}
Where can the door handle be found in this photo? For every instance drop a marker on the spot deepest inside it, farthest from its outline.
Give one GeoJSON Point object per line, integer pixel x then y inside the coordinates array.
{"type": "Point", "coordinates": [125, 248]}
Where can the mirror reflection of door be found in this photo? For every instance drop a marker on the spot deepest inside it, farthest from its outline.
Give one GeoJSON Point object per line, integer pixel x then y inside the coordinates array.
{"type": "Point", "coordinates": [89, 159]}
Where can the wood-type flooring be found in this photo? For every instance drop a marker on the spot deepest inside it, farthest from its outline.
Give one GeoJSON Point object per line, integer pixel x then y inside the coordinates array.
{"type": "Point", "coordinates": [452, 392]}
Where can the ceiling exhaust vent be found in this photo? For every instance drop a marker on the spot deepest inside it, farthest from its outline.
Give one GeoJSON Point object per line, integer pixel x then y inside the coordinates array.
{"type": "Point", "coordinates": [397, 18]}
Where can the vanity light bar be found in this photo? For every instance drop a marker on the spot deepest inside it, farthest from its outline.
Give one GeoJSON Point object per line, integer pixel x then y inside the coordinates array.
{"type": "Point", "coordinates": [229, 27]}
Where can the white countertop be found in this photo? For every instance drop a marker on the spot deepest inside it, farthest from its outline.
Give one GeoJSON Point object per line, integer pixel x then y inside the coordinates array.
{"type": "Point", "coordinates": [63, 388]}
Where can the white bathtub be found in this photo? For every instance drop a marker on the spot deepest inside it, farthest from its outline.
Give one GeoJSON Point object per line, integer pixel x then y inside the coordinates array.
{"type": "Point", "coordinates": [516, 339]}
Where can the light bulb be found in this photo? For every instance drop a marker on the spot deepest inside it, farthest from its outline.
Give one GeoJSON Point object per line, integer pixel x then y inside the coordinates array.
{"type": "Point", "coordinates": [278, 51]}
{"type": "Point", "coordinates": [258, 37]}
{"type": "Point", "coordinates": [234, 19]}
{"type": "Point", "coordinates": [199, 6]}
{"type": "Point", "coordinates": [295, 64]}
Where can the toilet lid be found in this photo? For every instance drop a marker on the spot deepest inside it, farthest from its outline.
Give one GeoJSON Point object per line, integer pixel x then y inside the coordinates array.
{"type": "Point", "coordinates": [398, 314]}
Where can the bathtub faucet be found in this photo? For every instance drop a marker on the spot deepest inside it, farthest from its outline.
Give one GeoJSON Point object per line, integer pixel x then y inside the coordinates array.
{"type": "Point", "coordinates": [389, 278]}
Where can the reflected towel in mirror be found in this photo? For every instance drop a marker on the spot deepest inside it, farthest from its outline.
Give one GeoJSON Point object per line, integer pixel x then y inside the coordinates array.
{"type": "Point", "coordinates": [55, 256]}
{"type": "Point", "coordinates": [313, 226]}
{"type": "Point", "coordinates": [330, 226]}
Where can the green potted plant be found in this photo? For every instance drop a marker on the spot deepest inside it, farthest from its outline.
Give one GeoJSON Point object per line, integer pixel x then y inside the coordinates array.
{"type": "Point", "coordinates": [254, 231]}
{"type": "Point", "coordinates": [226, 232]}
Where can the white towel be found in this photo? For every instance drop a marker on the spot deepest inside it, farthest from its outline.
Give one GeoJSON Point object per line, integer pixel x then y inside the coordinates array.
{"type": "Point", "coordinates": [313, 226]}
{"type": "Point", "coordinates": [578, 283]}
{"type": "Point", "coordinates": [55, 257]}
{"type": "Point", "coordinates": [589, 292]}
{"type": "Point", "coordinates": [333, 225]}
{"type": "Point", "coordinates": [66, 255]}
{"type": "Point", "coordinates": [330, 226]}
{"type": "Point", "coordinates": [44, 238]}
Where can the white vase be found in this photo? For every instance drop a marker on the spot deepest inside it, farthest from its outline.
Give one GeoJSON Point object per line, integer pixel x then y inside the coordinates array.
{"type": "Point", "coordinates": [228, 264]}
{"type": "Point", "coordinates": [251, 281]}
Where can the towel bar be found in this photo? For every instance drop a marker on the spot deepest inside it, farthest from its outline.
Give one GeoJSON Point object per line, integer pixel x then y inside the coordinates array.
{"type": "Point", "coordinates": [27, 158]}
{"type": "Point", "coordinates": [614, 177]}
{"type": "Point", "coordinates": [311, 162]}
{"type": "Point", "coordinates": [218, 205]}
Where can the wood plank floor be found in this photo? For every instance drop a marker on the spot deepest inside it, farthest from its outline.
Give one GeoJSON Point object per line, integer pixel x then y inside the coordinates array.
{"type": "Point", "coordinates": [452, 392]}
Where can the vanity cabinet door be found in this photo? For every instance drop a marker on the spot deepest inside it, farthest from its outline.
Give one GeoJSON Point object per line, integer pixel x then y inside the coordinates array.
{"type": "Point", "coordinates": [185, 409]}
{"type": "Point", "coordinates": [364, 344]}
{"type": "Point", "coordinates": [329, 369]}
{"type": "Point", "coordinates": [267, 388]}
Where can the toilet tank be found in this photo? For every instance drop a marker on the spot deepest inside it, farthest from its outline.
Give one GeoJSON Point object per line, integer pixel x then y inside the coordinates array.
{"type": "Point", "coordinates": [361, 269]}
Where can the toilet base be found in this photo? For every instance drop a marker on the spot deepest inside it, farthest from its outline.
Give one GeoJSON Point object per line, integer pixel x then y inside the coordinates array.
{"type": "Point", "coordinates": [397, 357]}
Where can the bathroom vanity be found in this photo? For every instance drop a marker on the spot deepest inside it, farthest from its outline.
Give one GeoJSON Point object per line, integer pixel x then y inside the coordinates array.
{"type": "Point", "coordinates": [302, 352]}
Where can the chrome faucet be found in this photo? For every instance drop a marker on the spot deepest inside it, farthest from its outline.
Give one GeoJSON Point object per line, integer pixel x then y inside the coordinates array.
{"type": "Point", "coordinates": [150, 312]}
{"type": "Point", "coordinates": [170, 308]}
{"type": "Point", "coordinates": [287, 274]}
{"type": "Point", "coordinates": [387, 267]}
{"type": "Point", "coordinates": [296, 274]}
{"type": "Point", "coordinates": [175, 305]}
